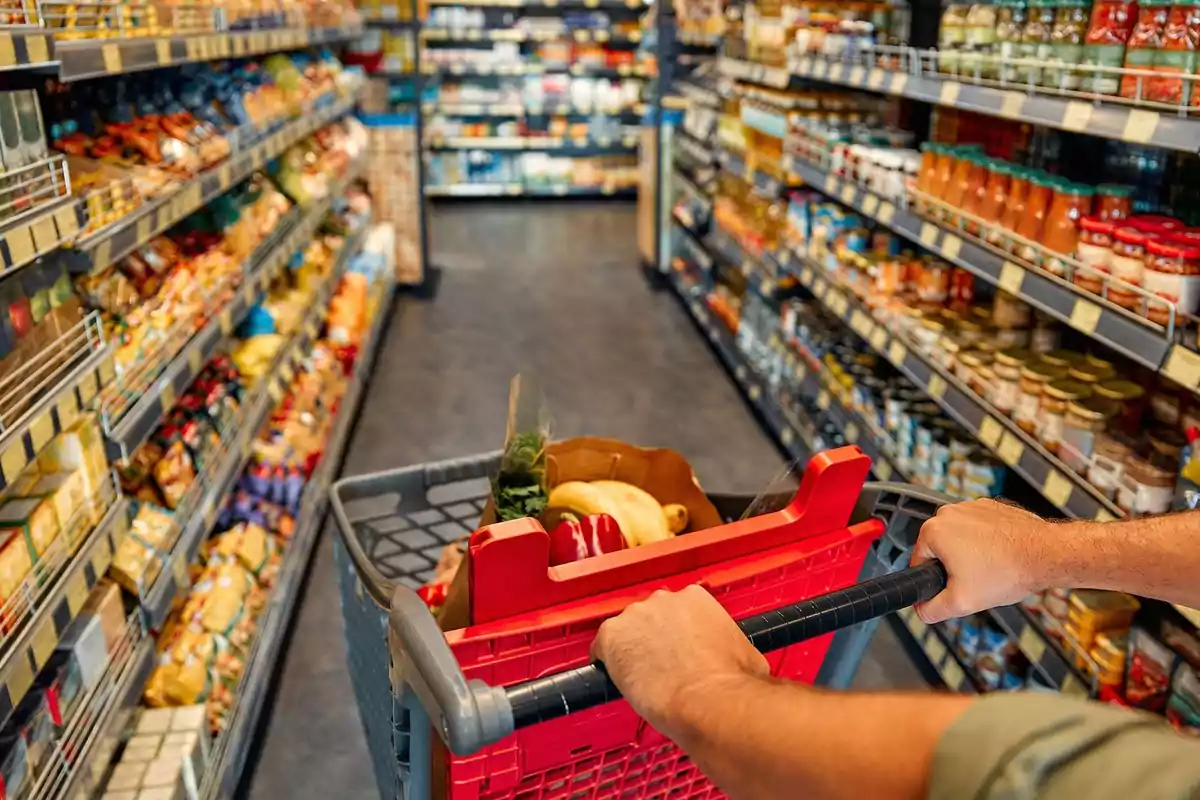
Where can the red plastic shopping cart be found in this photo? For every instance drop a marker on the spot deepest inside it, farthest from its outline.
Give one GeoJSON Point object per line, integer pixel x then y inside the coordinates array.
{"type": "Point", "coordinates": [509, 707]}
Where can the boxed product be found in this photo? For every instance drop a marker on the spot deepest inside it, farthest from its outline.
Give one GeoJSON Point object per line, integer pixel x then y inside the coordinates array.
{"type": "Point", "coordinates": [66, 493]}
{"type": "Point", "coordinates": [106, 606]}
{"type": "Point", "coordinates": [34, 518]}
{"type": "Point", "coordinates": [16, 561]}
{"type": "Point", "coordinates": [27, 742]}
{"type": "Point", "coordinates": [88, 651]}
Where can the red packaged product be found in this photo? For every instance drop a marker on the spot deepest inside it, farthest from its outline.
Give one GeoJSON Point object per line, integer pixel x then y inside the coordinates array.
{"type": "Point", "coordinates": [1176, 56]}
{"type": "Point", "coordinates": [1145, 39]}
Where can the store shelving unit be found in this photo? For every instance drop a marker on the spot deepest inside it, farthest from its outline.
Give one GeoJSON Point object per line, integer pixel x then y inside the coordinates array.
{"type": "Point", "coordinates": [77, 374]}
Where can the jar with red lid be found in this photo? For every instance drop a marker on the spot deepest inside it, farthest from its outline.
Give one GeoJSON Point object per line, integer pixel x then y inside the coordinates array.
{"type": "Point", "coordinates": [1031, 224]}
{"type": "Point", "coordinates": [1014, 209]}
{"type": "Point", "coordinates": [1094, 249]}
{"type": "Point", "coordinates": [1070, 203]}
{"type": "Point", "coordinates": [1156, 222]}
{"type": "Point", "coordinates": [1114, 201]}
{"type": "Point", "coordinates": [1128, 264]}
{"type": "Point", "coordinates": [1172, 273]}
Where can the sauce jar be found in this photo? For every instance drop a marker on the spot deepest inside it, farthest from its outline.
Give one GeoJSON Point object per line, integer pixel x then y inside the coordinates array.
{"type": "Point", "coordinates": [1066, 44]}
{"type": "Point", "coordinates": [947, 161]}
{"type": "Point", "coordinates": [1010, 311]}
{"type": "Point", "coordinates": [1063, 358]}
{"type": "Point", "coordinates": [1070, 203]}
{"type": "Point", "coordinates": [969, 176]}
{"type": "Point", "coordinates": [1109, 454]}
{"type": "Point", "coordinates": [966, 369]}
{"type": "Point", "coordinates": [976, 195]}
{"type": "Point", "coordinates": [1129, 396]}
{"type": "Point", "coordinates": [1014, 210]}
{"type": "Point", "coordinates": [1085, 419]}
{"type": "Point", "coordinates": [995, 196]}
{"type": "Point", "coordinates": [1148, 485]}
{"type": "Point", "coordinates": [1094, 249]}
{"type": "Point", "coordinates": [1128, 264]}
{"type": "Point", "coordinates": [1056, 396]}
{"type": "Point", "coordinates": [1032, 223]}
{"type": "Point", "coordinates": [1168, 441]}
{"type": "Point", "coordinates": [1006, 371]}
{"type": "Point", "coordinates": [1114, 202]}
{"type": "Point", "coordinates": [1111, 23]}
{"type": "Point", "coordinates": [1173, 273]}
{"type": "Point", "coordinates": [926, 334]}
{"type": "Point", "coordinates": [927, 175]}
{"type": "Point", "coordinates": [933, 281]}
{"type": "Point", "coordinates": [1091, 373]}
{"type": "Point", "coordinates": [1034, 378]}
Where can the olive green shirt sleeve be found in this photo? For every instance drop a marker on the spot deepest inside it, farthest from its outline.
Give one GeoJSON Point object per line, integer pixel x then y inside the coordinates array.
{"type": "Point", "coordinates": [1022, 746]}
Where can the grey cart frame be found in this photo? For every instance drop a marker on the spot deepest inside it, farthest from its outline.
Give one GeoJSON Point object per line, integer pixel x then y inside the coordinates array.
{"type": "Point", "coordinates": [393, 526]}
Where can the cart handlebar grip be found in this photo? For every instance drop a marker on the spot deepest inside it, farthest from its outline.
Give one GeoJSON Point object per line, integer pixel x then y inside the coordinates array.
{"type": "Point", "coordinates": [575, 690]}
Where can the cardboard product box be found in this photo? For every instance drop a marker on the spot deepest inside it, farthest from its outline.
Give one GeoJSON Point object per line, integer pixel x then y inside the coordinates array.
{"type": "Point", "coordinates": [81, 447]}
{"type": "Point", "coordinates": [106, 606]}
{"type": "Point", "coordinates": [88, 648]}
{"type": "Point", "coordinates": [62, 685]}
{"type": "Point", "coordinates": [16, 562]}
{"type": "Point", "coordinates": [36, 520]}
{"type": "Point", "coordinates": [65, 492]}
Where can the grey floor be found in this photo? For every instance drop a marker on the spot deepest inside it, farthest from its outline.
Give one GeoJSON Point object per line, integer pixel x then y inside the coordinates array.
{"type": "Point", "coordinates": [546, 289]}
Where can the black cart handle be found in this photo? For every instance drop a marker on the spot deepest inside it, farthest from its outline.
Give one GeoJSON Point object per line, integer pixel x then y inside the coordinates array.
{"type": "Point", "coordinates": [567, 692]}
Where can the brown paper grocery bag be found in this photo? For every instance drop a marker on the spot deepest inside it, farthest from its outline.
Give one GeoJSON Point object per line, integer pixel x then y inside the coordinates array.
{"type": "Point", "coordinates": [663, 473]}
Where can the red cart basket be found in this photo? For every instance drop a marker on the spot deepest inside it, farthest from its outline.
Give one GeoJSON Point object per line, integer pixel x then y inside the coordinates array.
{"type": "Point", "coordinates": [509, 707]}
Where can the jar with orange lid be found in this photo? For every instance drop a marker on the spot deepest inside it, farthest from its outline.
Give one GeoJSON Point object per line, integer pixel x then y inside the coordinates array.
{"type": "Point", "coordinates": [1055, 397]}
{"type": "Point", "coordinates": [1128, 263]}
{"type": "Point", "coordinates": [1070, 203]}
{"type": "Point", "coordinates": [995, 196]}
{"type": "Point", "coordinates": [1033, 222]}
{"type": "Point", "coordinates": [1114, 202]}
{"type": "Point", "coordinates": [1035, 376]}
{"type": "Point", "coordinates": [1085, 419]}
{"type": "Point", "coordinates": [1014, 209]}
{"type": "Point", "coordinates": [1006, 378]}
{"type": "Point", "coordinates": [1130, 396]}
{"type": "Point", "coordinates": [1094, 250]}
{"type": "Point", "coordinates": [1173, 274]}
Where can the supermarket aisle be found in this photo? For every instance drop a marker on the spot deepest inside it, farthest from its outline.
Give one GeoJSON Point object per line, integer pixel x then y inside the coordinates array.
{"type": "Point", "coordinates": [550, 289]}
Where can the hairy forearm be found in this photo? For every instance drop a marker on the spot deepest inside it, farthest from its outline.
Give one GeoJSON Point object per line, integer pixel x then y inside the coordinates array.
{"type": "Point", "coordinates": [763, 739]}
{"type": "Point", "coordinates": [1156, 557]}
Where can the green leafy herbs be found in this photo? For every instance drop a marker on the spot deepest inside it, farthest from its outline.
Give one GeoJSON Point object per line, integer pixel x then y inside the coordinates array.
{"type": "Point", "coordinates": [519, 488]}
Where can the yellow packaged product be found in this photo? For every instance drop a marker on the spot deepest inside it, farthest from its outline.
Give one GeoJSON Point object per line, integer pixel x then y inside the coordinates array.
{"type": "Point", "coordinates": [34, 518]}
{"type": "Point", "coordinates": [155, 694]}
{"type": "Point", "coordinates": [154, 526]}
{"type": "Point", "coordinates": [135, 565]}
{"type": "Point", "coordinates": [65, 491]}
{"type": "Point", "coordinates": [191, 684]}
{"type": "Point", "coordinates": [23, 485]}
{"type": "Point", "coordinates": [80, 447]}
{"type": "Point", "coordinates": [226, 602]}
{"type": "Point", "coordinates": [15, 564]}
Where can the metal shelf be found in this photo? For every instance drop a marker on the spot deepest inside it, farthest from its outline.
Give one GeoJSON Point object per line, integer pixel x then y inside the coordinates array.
{"type": "Point", "coordinates": [25, 46]}
{"type": "Point", "coordinates": [579, 70]}
{"type": "Point", "coordinates": [26, 649]}
{"type": "Point", "coordinates": [531, 144]}
{"type": "Point", "coordinates": [1097, 115]}
{"type": "Point", "coordinates": [80, 59]}
{"type": "Point", "coordinates": [517, 110]}
{"type": "Point", "coordinates": [940, 652]}
{"type": "Point", "coordinates": [1040, 650]}
{"type": "Point", "coordinates": [1108, 324]}
{"type": "Point", "coordinates": [763, 183]}
{"type": "Point", "coordinates": [520, 190]}
{"type": "Point", "coordinates": [113, 242]}
{"type": "Point", "coordinates": [599, 35]}
{"type": "Point", "coordinates": [38, 213]}
{"type": "Point", "coordinates": [233, 747]}
{"type": "Point", "coordinates": [260, 270]}
{"type": "Point", "coordinates": [173, 582]}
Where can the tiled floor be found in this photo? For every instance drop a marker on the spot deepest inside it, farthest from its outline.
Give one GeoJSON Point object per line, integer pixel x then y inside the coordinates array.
{"type": "Point", "coordinates": [545, 289]}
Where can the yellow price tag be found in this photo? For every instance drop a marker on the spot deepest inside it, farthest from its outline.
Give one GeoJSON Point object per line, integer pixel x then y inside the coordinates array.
{"type": "Point", "coordinates": [166, 397]}
{"type": "Point", "coordinates": [937, 387]}
{"type": "Point", "coordinates": [1076, 116]}
{"type": "Point", "coordinates": [1183, 367]}
{"type": "Point", "coordinates": [823, 400]}
{"type": "Point", "coordinates": [850, 434]}
{"type": "Point", "coordinates": [1011, 277]}
{"type": "Point", "coordinates": [1140, 126]}
{"type": "Point", "coordinates": [876, 79]}
{"type": "Point", "coordinates": [45, 235]}
{"type": "Point", "coordinates": [68, 222]}
{"type": "Point", "coordinates": [1084, 316]}
{"type": "Point", "coordinates": [179, 566]}
{"type": "Point", "coordinates": [44, 641]}
{"type": "Point", "coordinates": [37, 49]}
{"type": "Point", "coordinates": [1056, 488]}
{"type": "Point", "coordinates": [935, 650]}
{"type": "Point", "coordinates": [12, 461]}
{"type": "Point", "coordinates": [951, 246]}
{"type": "Point", "coordinates": [848, 193]}
{"type": "Point", "coordinates": [1072, 686]}
{"type": "Point", "coordinates": [1031, 644]}
{"type": "Point", "coordinates": [917, 626]}
{"type": "Point", "coordinates": [879, 339]}
{"type": "Point", "coordinates": [948, 95]}
{"type": "Point", "coordinates": [856, 75]}
{"type": "Point", "coordinates": [1103, 515]}
{"type": "Point", "coordinates": [41, 431]}
{"type": "Point", "coordinates": [1012, 104]}
{"type": "Point", "coordinates": [883, 469]}
{"type": "Point", "coordinates": [929, 234]}
{"type": "Point", "coordinates": [990, 431]}
{"type": "Point", "coordinates": [68, 410]}
{"type": "Point", "coordinates": [1010, 449]}
{"type": "Point", "coordinates": [226, 322]}
{"type": "Point", "coordinates": [899, 82]}
{"type": "Point", "coordinates": [897, 352]}
{"type": "Point", "coordinates": [162, 51]}
{"type": "Point", "coordinates": [887, 212]}
{"type": "Point", "coordinates": [21, 249]}
{"type": "Point", "coordinates": [111, 55]}
{"type": "Point", "coordinates": [88, 387]}
{"type": "Point", "coordinates": [953, 675]}
{"type": "Point", "coordinates": [831, 184]}
{"type": "Point", "coordinates": [870, 205]}
{"type": "Point", "coordinates": [143, 229]}
{"type": "Point", "coordinates": [806, 276]}
{"type": "Point", "coordinates": [77, 592]}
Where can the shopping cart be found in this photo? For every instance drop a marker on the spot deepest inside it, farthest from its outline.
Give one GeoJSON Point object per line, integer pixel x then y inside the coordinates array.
{"type": "Point", "coordinates": [533, 625]}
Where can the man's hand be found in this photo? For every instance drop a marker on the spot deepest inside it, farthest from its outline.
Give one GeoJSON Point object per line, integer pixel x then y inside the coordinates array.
{"type": "Point", "coordinates": [673, 648]}
{"type": "Point", "coordinates": [994, 554]}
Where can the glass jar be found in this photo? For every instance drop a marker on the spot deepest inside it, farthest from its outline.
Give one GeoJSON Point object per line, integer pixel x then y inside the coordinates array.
{"type": "Point", "coordinates": [1168, 441]}
{"type": "Point", "coordinates": [968, 171]}
{"type": "Point", "coordinates": [1172, 273]}
{"type": "Point", "coordinates": [1030, 226]}
{"type": "Point", "coordinates": [1014, 211]}
{"type": "Point", "coordinates": [1108, 31]}
{"type": "Point", "coordinates": [933, 281]}
{"type": "Point", "coordinates": [1034, 378]}
{"type": "Point", "coordinates": [1063, 358]}
{"type": "Point", "coordinates": [1128, 264]}
{"type": "Point", "coordinates": [1084, 421]}
{"type": "Point", "coordinates": [1071, 202]}
{"type": "Point", "coordinates": [947, 163]}
{"type": "Point", "coordinates": [1055, 397]}
{"type": "Point", "coordinates": [926, 334]}
{"type": "Point", "coordinates": [952, 35]}
{"type": "Point", "coordinates": [1094, 249]}
{"type": "Point", "coordinates": [1114, 202]}
{"type": "Point", "coordinates": [1006, 371]}
{"type": "Point", "coordinates": [1010, 24]}
{"type": "Point", "coordinates": [1145, 40]}
{"type": "Point", "coordinates": [929, 159]}
{"type": "Point", "coordinates": [1090, 373]}
{"type": "Point", "coordinates": [1010, 311]}
{"type": "Point", "coordinates": [980, 40]}
{"type": "Point", "coordinates": [970, 333]}
{"type": "Point", "coordinates": [1035, 40]}
{"type": "Point", "coordinates": [1045, 335]}
{"type": "Point", "coordinates": [976, 196]}
{"type": "Point", "coordinates": [1176, 56]}
{"type": "Point", "coordinates": [995, 197]}
{"type": "Point", "coordinates": [966, 369]}
{"type": "Point", "coordinates": [1066, 44]}
{"type": "Point", "coordinates": [1130, 396]}
{"type": "Point", "coordinates": [1148, 485]}
{"type": "Point", "coordinates": [1112, 449]}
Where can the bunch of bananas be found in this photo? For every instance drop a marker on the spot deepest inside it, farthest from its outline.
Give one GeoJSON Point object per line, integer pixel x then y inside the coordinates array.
{"type": "Point", "coordinates": [642, 519]}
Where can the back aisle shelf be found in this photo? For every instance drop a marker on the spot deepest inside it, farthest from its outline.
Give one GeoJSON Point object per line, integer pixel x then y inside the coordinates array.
{"type": "Point", "coordinates": [187, 332]}
{"type": "Point", "coordinates": [970, 313]}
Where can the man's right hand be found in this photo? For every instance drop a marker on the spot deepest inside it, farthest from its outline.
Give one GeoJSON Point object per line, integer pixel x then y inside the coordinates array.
{"type": "Point", "coordinates": [994, 554]}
